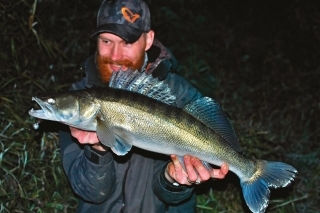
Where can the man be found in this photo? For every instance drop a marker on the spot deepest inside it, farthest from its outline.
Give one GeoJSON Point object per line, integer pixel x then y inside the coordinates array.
{"type": "Point", "coordinates": [139, 181]}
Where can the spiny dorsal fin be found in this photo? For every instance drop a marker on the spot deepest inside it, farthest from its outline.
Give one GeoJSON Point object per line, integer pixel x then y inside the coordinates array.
{"type": "Point", "coordinates": [205, 109]}
{"type": "Point", "coordinates": [143, 83]}
{"type": "Point", "coordinates": [210, 113]}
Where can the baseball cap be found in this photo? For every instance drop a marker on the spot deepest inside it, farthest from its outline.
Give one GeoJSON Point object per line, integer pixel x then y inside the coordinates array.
{"type": "Point", "coordinates": [127, 19]}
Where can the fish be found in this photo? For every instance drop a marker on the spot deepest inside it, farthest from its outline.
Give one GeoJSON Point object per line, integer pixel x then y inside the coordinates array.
{"type": "Point", "coordinates": [139, 110]}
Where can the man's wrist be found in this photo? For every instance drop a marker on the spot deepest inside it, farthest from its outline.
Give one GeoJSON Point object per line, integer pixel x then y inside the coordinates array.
{"type": "Point", "coordinates": [96, 156]}
{"type": "Point", "coordinates": [170, 185]}
{"type": "Point", "coordinates": [99, 147]}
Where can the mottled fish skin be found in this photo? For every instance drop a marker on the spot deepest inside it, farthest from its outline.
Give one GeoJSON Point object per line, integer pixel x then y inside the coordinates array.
{"type": "Point", "coordinates": [137, 120]}
{"type": "Point", "coordinates": [152, 125]}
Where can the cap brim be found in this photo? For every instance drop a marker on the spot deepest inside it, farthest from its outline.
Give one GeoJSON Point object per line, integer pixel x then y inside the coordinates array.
{"type": "Point", "coordinates": [127, 33]}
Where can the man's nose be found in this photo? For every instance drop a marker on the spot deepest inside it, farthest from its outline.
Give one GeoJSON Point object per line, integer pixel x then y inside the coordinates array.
{"type": "Point", "coordinates": [116, 53]}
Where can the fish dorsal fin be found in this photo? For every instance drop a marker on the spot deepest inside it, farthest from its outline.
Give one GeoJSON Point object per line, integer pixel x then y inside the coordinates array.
{"type": "Point", "coordinates": [143, 83]}
{"type": "Point", "coordinates": [210, 113]}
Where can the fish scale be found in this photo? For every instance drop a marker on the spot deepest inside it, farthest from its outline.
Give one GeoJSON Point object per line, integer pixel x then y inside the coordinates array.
{"type": "Point", "coordinates": [175, 124]}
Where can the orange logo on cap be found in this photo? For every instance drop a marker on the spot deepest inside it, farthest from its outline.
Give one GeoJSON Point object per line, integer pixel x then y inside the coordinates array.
{"type": "Point", "coordinates": [128, 15]}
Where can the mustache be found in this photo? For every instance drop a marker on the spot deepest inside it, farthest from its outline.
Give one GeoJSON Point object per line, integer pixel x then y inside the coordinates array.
{"type": "Point", "coordinates": [122, 62]}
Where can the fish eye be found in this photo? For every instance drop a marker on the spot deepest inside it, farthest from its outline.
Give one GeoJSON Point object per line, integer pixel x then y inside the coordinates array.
{"type": "Point", "coordinates": [51, 101]}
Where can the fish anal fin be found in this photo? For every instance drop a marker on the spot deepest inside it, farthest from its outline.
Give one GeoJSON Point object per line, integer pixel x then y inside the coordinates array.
{"type": "Point", "coordinates": [181, 160]}
{"type": "Point", "coordinates": [206, 165]}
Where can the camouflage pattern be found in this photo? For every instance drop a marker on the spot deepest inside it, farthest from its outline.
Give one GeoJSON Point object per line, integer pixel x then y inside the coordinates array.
{"type": "Point", "coordinates": [126, 18]}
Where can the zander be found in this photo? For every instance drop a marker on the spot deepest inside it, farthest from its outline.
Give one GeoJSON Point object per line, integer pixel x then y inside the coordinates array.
{"type": "Point", "coordinates": [139, 110]}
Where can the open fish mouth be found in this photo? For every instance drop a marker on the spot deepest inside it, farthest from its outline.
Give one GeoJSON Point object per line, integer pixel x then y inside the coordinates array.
{"type": "Point", "coordinates": [44, 113]}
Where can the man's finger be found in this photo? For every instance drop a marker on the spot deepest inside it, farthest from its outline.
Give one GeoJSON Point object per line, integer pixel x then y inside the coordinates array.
{"type": "Point", "coordinates": [176, 163]}
{"type": "Point", "coordinates": [178, 174]}
{"type": "Point", "coordinates": [84, 136]}
{"type": "Point", "coordinates": [220, 173]}
{"type": "Point", "coordinates": [201, 171]}
{"type": "Point", "coordinates": [192, 174]}
{"type": "Point", "coordinates": [177, 166]}
{"type": "Point", "coordinates": [224, 168]}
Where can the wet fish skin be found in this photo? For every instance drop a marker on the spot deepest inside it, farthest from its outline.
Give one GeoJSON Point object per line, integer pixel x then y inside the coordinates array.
{"type": "Point", "coordinates": [136, 120]}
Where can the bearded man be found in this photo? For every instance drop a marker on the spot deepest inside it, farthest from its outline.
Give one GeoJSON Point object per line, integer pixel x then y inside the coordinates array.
{"type": "Point", "coordinates": [140, 181]}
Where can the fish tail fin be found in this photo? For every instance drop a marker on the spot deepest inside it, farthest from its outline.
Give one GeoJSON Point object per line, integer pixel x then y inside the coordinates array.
{"type": "Point", "coordinates": [269, 175]}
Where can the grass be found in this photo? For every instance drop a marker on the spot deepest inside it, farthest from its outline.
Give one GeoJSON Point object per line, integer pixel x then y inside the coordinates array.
{"type": "Point", "coordinates": [259, 60]}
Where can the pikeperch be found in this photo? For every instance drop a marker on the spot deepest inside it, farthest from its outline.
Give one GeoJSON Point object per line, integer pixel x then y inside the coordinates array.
{"type": "Point", "coordinates": [139, 110]}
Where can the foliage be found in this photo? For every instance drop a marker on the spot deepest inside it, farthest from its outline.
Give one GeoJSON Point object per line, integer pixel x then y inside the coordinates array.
{"type": "Point", "coordinates": [258, 59]}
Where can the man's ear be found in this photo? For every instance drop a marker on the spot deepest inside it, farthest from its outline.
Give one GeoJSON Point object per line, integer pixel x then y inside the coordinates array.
{"type": "Point", "coordinates": [149, 39]}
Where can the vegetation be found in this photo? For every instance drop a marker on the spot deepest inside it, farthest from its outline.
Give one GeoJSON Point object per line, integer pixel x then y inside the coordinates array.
{"type": "Point", "coordinates": [258, 59]}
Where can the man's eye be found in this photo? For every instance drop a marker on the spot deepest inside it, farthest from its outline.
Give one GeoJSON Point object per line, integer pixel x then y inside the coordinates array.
{"type": "Point", "coordinates": [104, 40]}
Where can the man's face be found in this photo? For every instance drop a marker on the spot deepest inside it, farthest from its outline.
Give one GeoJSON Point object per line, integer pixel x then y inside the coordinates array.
{"type": "Point", "coordinates": [114, 54]}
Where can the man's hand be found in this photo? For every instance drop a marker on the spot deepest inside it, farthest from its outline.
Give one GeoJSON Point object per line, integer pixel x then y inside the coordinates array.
{"type": "Point", "coordinates": [195, 171]}
{"type": "Point", "coordinates": [87, 137]}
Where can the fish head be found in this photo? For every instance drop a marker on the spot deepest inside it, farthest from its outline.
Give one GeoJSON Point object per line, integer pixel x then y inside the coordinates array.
{"type": "Point", "coordinates": [71, 108]}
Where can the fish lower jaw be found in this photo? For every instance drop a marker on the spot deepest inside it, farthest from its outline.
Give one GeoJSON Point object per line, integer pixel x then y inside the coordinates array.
{"type": "Point", "coordinates": [39, 113]}
{"type": "Point", "coordinates": [35, 112]}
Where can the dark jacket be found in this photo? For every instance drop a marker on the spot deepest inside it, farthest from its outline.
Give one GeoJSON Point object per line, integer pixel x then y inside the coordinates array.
{"type": "Point", "coordinates": [134, 183]}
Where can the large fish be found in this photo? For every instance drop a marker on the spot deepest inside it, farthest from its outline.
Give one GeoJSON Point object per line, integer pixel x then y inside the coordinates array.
{"type": "Point", "coordinates": [139, 110]}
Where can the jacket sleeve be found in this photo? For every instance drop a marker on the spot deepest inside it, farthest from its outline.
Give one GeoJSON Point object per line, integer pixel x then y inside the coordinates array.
{"type": "Point", "coordinates": [167, 191]}
{"type": "Point", "coordinates": [91, 173]}
{"type": "Point", "coordinates": [92, 181]}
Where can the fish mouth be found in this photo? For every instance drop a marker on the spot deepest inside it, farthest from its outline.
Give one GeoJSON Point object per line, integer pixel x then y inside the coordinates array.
{"type": "Point", "coordinates": [46, 111]}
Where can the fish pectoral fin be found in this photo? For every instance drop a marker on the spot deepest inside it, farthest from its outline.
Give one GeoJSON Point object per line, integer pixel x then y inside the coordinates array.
{"type": "Point", "coordinates": [105, 133]}
{"type": "Point", "coordinates": [108, 138]}
{"type": "Point", "coordinates": [121, 146]}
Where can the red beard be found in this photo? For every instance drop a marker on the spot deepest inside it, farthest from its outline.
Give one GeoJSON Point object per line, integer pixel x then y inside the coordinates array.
{"type": "Point", "coordinates": [104, 62]}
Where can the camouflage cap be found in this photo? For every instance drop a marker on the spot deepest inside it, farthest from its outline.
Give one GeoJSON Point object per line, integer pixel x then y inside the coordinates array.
{"type": "Point", "coordinates": [127, 19]}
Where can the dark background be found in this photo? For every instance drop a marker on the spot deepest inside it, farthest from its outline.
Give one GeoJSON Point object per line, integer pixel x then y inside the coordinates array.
{"type": "Point", "coordinates": [259, 59]}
